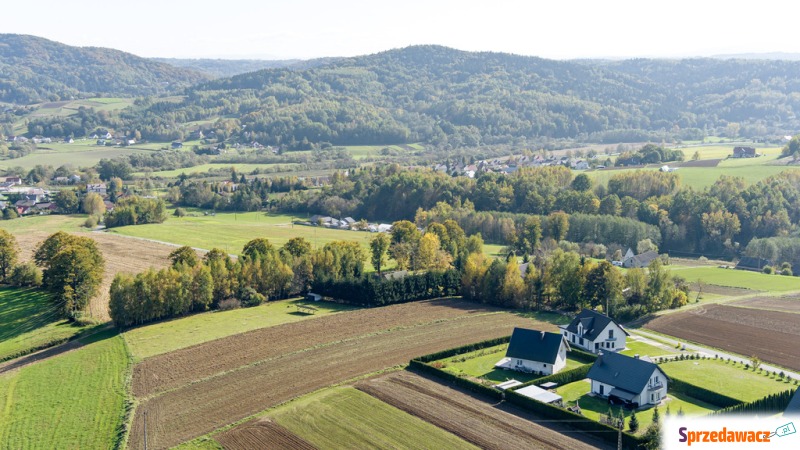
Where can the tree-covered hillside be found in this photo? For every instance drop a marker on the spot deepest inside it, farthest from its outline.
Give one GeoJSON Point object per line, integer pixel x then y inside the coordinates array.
{"type": "Point", "coordinates": [453, 98]}
{"type": "Point", "coordinates": [34, 69]}
{"type": "Point", "coordinates": [227, 67]}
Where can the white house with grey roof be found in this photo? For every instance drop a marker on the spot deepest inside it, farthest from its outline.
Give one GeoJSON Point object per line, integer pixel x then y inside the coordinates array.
{"type": "Point", "coordinates": [627, 380]}
{"type": "Point", "coordinates": [595, 332]}
{"type": "Point", "coordinates": [535, 351]}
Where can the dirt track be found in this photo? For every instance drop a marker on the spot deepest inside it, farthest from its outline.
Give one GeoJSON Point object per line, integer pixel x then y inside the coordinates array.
{"type": "Point", "coordinates": [770, 335]}
{"type": "Point", "coordinates": [477, 421]}
{"type": "Point", "coordinates": [262, 433]}
{"type": "Point", "coordinates": [203, 406]}
{"type": "Point", "coordinates": [121, 254]}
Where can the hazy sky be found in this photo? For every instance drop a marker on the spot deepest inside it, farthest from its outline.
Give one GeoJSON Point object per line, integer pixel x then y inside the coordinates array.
{"type": "Point", "coordinates": [305, 29]}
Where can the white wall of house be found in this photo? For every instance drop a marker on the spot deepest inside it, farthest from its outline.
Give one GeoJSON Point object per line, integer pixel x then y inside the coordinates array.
{"type": "Point", "coordinates": [526, 365]}
{"type": "Point", "coordinates": [601, 388]}
{"type": "Point", "coordinates": [655, 390]}
{"type": "Point", "coordinates": [605, 342]}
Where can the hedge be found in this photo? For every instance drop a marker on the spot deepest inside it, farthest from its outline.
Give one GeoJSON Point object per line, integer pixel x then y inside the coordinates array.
{"type": "Point", "coordinates": [715, 398]}
{"type": "Point", "coordinates": [582, 356]}
{"type": "Point", "coordinates": [771, 404]}
{"type": "Point", "coordinates": [372, 291]}
{"type": "Point", "coordinates": [545, 410]}
{"type": "Point", "coordinates": [464, 349]}
{"type": "Point", "coordinates": [561, 378]}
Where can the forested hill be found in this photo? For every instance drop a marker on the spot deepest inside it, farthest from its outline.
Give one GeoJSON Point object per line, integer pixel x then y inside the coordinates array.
{"type": "Point", "coordinates": [453, 98]}
{"type": "Point", "coordinates": [227, 67]}
{"type": "Point", "coordinates": [34, 69]}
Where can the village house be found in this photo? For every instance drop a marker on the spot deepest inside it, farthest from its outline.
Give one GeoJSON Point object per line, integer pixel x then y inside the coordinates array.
{"type": "Point", "coordinates": [631, 261]}
{"type": "Point", "coordinates": [595, 332]}
{"type": "Point", "coordinates": [752, 263]}
{"type": "Point", "coordinates": [535, 351]}
{"type": "Point", "coordinates": [630, 381]}
{"type": "Point", "coordinates": [744, 152]}
{"type": "Point", "coordinates": [99, 188]}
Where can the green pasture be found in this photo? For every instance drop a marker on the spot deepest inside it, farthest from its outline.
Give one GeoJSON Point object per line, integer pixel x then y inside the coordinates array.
{"type": "Point", "coordinates": [641, 348]}
{"type": "Point", "coordinates": [29, 321]}
{"type": "Point", "coordinates": [240, 168]}
{"type": "Point", "coordinates": [47, 223]}
{"type": "Point", "coordinates": [74, 400]}
{"type": "Point", "coordinates": [480, 364]}
{"type": "Point", "coordinates": [739, 278]}
{"type": "Point", "coordinates": [344, 417]}
{"type": "Point", "coordinates": [171, 335]}
{"type": "Point", "coordinates": [76, 155]}
{"type": "Point", "coordinates": [728, 378]}
{"type": "Point", "coordinates": [593, 407]}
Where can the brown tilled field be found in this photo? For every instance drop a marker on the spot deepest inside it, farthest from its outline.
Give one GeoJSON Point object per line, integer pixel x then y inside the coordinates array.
{"type": "Point", "coordinates": [727, 291]}
{"type": "Point", "coordinates": [305, 363]}
{"type": "Point", "coordinates": [122, 254]}
{"type": "Point", "coordinates": [262, 433]}
{"type": "Point", "coordinates": [770, 335]}
{"type": "Point", "coordinates": [473, 419]}
{"type": "Point", "coordinates": [788, 304]}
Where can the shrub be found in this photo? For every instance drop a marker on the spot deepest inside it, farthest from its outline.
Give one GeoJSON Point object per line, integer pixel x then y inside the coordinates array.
{"type": "Point", "coordinates": [179, 212]}
{"type": "Point", "coordinates": [767, 270]}
{"type": "Point", "coordinates": [90, 222]}
{"type": "Point", "coordinates": [25, 274]}
{"type": "Point", "coordinates": [787, 271]}
{"type": "Point", "coordinates": [230, 303]}
{"type": "Point", "coordinates": [250, 297]}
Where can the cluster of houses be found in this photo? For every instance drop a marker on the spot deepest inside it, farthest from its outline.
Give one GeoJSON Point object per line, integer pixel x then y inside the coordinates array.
{"type": "Point", "coordinates": [348, 223]}
{"type": "Point", "coordinates": [35, 201]}
{"type": "Point", "coordinates": [624, 380]}
{"type": "Point", "coordinates": [23, 139]}
{"type": "Point", "coordinates": [509, 165]}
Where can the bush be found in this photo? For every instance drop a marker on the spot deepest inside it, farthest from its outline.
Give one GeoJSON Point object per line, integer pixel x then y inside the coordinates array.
{"type": "Point", "coordinates": [179, 212]}
{"type": "Point", "coordinates": [91, 222]}
{"type": "Point", "coordinates": [250, 297]}
{"type": "Point", "coordinates": [26, 274]}
{"type": "Point", "coordinates": [230, 303]}
{"type": "Point", "coordinates": [787, 271]}
{"type": "Point", "coordinates": [767, 270]}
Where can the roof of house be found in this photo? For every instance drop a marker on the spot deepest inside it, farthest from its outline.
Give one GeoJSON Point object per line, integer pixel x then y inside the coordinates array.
{"type": "Point", "coordinates": [593, 324]}
{"type": "Point", "coordinates": [534, 345]}
{"type": "Point", "coordinates": [622, 372]}
{"type": "Point", "coordinates": [644, 259]}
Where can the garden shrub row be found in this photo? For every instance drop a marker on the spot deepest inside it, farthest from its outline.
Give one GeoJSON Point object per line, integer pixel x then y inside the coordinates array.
{"type": "Point", "coordinates": [715, 398]}
{"type": "Point", "coordinates": [464, 349]}
{"type": "Point", "coordinates": [373, 291]}
{"type": "Point", "coordinates": [561, 378]}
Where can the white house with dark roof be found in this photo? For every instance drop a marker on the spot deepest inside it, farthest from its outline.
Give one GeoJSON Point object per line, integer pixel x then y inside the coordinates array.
{"type": "Point", "coordinates": [595, 332]}
{"type": "Point", "coordinates": [639, 261]}
{"type": "Point", "coordinates": [627, 380]}
{"type": "Point", "coordinates": [535, 351]}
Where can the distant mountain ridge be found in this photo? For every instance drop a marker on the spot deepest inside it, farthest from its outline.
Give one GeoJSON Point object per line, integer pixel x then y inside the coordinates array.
{"type": "Point", "coordinates": [34, 69]}
{"type": "Point", "coordinates": [220, 68]}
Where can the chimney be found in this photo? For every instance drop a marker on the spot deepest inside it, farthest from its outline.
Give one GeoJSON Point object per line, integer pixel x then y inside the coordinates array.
{"type": "Point", "coordinates": [636, 356]}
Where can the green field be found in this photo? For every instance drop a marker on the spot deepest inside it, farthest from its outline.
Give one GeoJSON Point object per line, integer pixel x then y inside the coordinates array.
{"type": "Point", "coordinates": [79, 154]}
{"type": "Point", "coordinates": [29, 321]}
{"type": "Point", "coordinates": [637, 347]}
{"type": "Point", "coordinates": [480, 364]}
{"type": "Point", "coordinates": [727, 378]}
{"type": "Point", "coordinates": [739, 278]}
{"type": "Point", "coordinates": [48, 223]}
{"type": "Point", "coordinates": [75, 400]}
{"type": "Point", "coordinates": [241, 168]}
{"type": "Point", "coordinates": [172, 335]}
{"type": "Point", "coordinates": [344, 417]}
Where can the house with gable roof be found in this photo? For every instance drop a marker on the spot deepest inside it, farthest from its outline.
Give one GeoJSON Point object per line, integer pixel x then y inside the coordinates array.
{"type": "Point", "coordinates": [595, 332]}
{"type": "Point", "coordinates": [630, 381]}
{"type": "Point", "coordinates": [535, 351]}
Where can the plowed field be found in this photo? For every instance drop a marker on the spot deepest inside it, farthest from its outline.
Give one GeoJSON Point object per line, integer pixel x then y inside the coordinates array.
{"type": "Point", "coordinates": [770, 335]}
{"type": "Point", "coordinates": [262, 433]}
{"type": "Point", "coordinates": [474, 420]}
{"type": "Point", "coordinates": [788, 304]}
{"type": "Point", "coordinates": [263, 368]}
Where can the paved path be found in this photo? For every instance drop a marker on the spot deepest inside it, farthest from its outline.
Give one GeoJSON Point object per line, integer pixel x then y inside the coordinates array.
{"type": "Point", "coordinates": [690, 348]}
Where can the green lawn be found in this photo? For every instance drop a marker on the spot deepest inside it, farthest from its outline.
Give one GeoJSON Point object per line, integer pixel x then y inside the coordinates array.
{"type": "Point", "coordinates": [83, 154]}
{"type": "Point", "coordinates": [637, 347]}
{"type": "Point", "coordinates": [241, 168]}
{"type": "Point", "coordinates": [592, 407]}
{"type": "Point", "coordinates": [344, 417]}
{"type": "Point", "coordinates": [75, 400]}
{"type": "Point", "coordinates": [172, 335]}
{"type": "Point", "coordinates": [480, 364]}
{"type": "Point", "coordinates": [739, 278]}
{"type": "Point", "coordinates": [28, 321]}
{"type": "Point", "coordinates": [49, 223]}
{"type": "Point", "coordinates": [725, 378]}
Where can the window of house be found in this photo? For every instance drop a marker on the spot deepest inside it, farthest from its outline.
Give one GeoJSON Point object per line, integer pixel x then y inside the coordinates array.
{"type": "Point", "coordinates": [545, 365]}
{"type": "Point", "coordinates": [611, 334]}
{"type": "Point", "coordinates": [581, 341]}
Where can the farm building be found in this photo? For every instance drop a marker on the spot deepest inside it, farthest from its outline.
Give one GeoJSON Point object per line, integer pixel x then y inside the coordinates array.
{"type": "Point", "coordinates": [744, 152]}
{"type": "Point", "coordinates": [633, 382]}
{"type": "Point", "coordinates": [595, 332]}
{"type": "Point", "coordinates": [630, 260]}
{"type": "Point", "coordinates": [753, 263]}
{"type": "Point", "coordinates": [535, 351]}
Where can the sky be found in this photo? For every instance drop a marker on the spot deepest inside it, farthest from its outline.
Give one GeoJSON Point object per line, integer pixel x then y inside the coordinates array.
{"type": "Point", "coordinates": [305, 29]}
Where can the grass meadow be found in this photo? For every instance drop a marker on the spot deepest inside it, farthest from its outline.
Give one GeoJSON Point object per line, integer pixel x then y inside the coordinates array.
{"type": "Point", "coordinates": [738, 278]}
{"type": "Point", "coordinates": [74, 400]}
{"type": "Point", "coordinates": [344, 417]}
{"type": "Point", "coordinates": [171, 335]}
{"type": "Point", "coordinates": [80, 154]}
{"type": "Point", "coordinates": [739, 383]}
{"type": "Point", "coordinates": [29, 321]}
{"type": "Point", "coordinates": [240, 168]}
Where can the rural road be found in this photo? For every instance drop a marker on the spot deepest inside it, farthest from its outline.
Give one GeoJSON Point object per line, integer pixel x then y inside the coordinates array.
{"type": "Point", "coordinates": [709, 351]}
